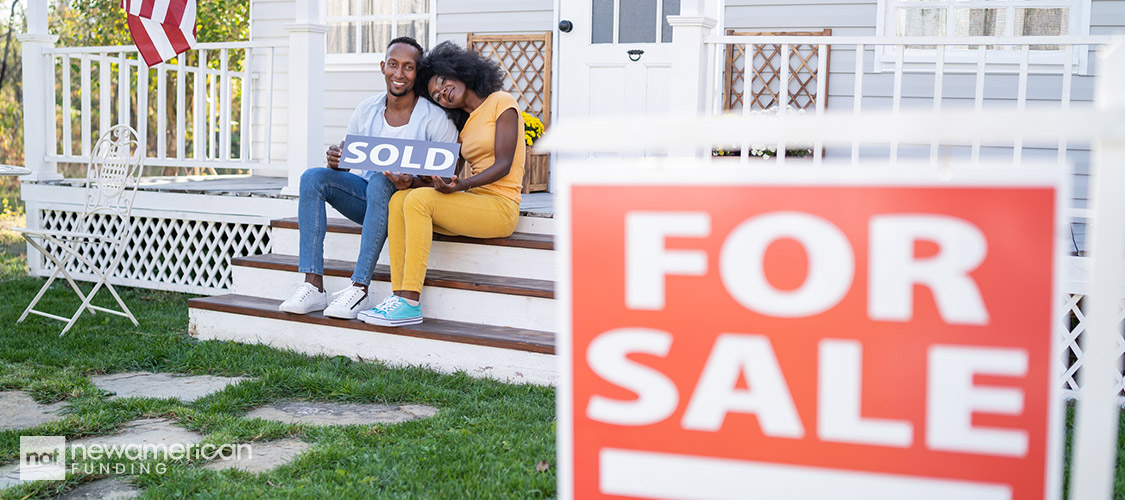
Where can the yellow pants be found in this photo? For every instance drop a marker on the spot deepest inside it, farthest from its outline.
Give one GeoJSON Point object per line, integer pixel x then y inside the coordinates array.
{"type": "Point", "coordinates": [416, 214]}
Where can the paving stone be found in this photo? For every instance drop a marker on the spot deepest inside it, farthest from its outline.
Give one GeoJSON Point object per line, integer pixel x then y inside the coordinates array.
{"type": "Point", "coordinates": [19, 411]}
{"type": "Point", "coordinates": [340, 414]}
{"type": "Point", "coordinates": [106, 489]}
{"type": "Point", "coordinates": [162, 385]}
{"type": "Point", "coordinates": [263, 456]}
{"type": "Point", "coordinates": [9, 475]}
{"type": "Point", "coordinates": [145, 431]}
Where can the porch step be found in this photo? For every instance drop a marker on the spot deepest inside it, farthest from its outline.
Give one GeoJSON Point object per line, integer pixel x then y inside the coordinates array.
{"type": "Point", "coordinates": [521, 255]}
{"type": "Point", "coordinates": [508, 354]}
{"type": "Point", "coordinates": [447, 295]}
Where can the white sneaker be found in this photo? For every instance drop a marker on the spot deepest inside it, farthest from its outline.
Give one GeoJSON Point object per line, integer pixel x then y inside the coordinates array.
{"type": "Point", "coordinates": [306, 300]}
{"type": "Point", "coordinates": [350, 302]}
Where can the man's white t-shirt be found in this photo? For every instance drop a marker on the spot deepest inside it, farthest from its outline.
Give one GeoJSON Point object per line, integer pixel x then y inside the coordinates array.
{"type": "Point", "coordinates": [428, 122]}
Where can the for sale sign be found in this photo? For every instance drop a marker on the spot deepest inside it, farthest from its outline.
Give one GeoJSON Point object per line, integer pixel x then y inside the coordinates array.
{"type": "Point", "coordinates": [814, 334]}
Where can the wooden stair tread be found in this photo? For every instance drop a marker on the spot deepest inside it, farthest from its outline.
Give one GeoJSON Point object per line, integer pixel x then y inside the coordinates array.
{"type": "Point", "coordinates": [445, 279]}
{"type": "Point", "coordinates": [435, 329]}
{"type": "Point", "coordinates": [517, 240]}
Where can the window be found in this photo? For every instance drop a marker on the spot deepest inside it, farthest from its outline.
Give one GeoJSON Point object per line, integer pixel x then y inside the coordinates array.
{"type": "Point", "coordinates": [359, 30]}
{"type": "Point", "coordinates": [973, 18]}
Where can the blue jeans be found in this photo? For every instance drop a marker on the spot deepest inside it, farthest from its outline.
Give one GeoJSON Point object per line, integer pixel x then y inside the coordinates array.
{"type": "Point", "coordinates": [363, 202]}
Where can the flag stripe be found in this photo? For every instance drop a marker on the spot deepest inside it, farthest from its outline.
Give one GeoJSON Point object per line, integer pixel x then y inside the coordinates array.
{"type": "Point", "coordinates": [176, 10]}
{"type": "Point", "coordinates": [160, 10]}
{"type": "Point", "coordinates": [146, 9]}
{"type": "Point", "coordinates": [187, 18]}
{"type": "Point", "coordinates": [143, 41]}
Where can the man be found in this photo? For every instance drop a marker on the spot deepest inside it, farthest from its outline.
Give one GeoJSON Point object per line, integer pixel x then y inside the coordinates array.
{"type": "Point", "coordinates": [397, 113]}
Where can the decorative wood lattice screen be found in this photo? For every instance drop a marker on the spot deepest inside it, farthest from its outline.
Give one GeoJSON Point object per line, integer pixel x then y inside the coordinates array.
{"type": "Point", "coordinates": [1071, 351]}
{"type": "Point", "coordinates": [526, 60]}
{"type": "Point", "coordinates": [179, 254]}
{"type": "Point", "coordinates": [765, 73]}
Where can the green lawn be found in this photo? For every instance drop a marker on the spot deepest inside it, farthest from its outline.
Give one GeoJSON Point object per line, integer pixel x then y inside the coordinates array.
{"type": "Point", "coordinates": [485, 442]}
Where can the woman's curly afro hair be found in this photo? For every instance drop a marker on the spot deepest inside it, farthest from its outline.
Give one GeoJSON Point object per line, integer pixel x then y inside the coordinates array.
{"type": "Point", "coordinates": [450, 60]}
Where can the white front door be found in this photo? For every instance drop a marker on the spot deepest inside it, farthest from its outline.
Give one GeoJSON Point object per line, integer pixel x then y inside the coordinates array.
{"type": "Point", "coordinates": [616, 60]}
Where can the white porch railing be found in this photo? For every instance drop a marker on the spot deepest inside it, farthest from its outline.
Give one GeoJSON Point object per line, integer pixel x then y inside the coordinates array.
{"type": "Point", "coordinates": [880, 73]}
{"type": "Point", "coordinates": [892, 74]}
{"type": "Point", "coordinates": [206, 111]}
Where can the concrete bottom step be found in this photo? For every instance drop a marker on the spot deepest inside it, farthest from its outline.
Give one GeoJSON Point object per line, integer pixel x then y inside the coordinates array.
{"type": "Point", "coordinates": [506, 354]}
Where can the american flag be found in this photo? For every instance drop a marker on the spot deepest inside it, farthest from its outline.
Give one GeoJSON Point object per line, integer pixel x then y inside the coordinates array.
{"type": "Point", "coordinates": [161, 29]}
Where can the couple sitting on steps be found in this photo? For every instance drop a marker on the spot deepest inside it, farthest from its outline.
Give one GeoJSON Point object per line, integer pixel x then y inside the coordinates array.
{"type": "Point", "coordinates": [448, 95]}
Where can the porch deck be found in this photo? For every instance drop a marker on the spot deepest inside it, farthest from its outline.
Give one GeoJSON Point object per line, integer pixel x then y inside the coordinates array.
{"type": "Point", "coordinates": [533, 204]}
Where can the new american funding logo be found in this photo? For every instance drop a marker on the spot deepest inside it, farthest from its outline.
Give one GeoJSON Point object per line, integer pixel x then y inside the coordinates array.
{"type": "Point", "coordinates": [48, 458]}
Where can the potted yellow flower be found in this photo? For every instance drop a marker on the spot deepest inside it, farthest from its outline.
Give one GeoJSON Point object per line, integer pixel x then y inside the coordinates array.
{"type": "Point", "coordinates": [536, 168]}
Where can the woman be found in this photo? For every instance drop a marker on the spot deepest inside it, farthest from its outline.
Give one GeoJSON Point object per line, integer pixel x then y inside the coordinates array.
{"type": "Point", "coordinates": [481, 201]}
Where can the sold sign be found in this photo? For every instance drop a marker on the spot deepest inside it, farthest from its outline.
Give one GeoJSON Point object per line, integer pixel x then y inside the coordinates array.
{"type": "Point", "coordinates": [810, 334]}
{"type": "Point", "coordinates": [400, 155]}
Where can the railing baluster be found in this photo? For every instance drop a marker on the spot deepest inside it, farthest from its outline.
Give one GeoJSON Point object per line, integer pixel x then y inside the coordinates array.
{"type": "Point", "coordinates": [783, 95]}
{"type": "Point", "coordinates": [1068, 67]}
{"type": "Point", "coordinates": [142, 104]}
{"type": "Point", "coordinates": [52, 131]}
{"type": "Point", "coordinates": [225, 106]}
{"type": "Point", "coordinates": [267, 155]}
{"type": "Point", "coordinates": [181, 103]}
{"type": "Point", "coordinates": [123, 84]}
{"type": "Point", "coordinates": [199, 135]}
{"type": "Point", "coordinates": [212, 111]}
{"type": "Point", "coordinates": [86, 90]}
{"type": "Point", "coordinates": [750, 52]}
{"type": "Point", "coordinates": [161, 110]}
{"type": "Point", "coordinates": [104, 83]}
{"type": "Point", "coordinates": [821, 95]}
{"type": "Point", "coordinates": [979, 96]}
{"type": "Point", "coordinates": [1021, 102]}
{"type": "Point", "coordinates": [857, 94]}
{"type": "Point", "coordinates": [939, 81]}
{"type": "Point", "coordinates": [67, 121]}
{"type": "Point", "coordinates": [244, 121]}
{"type": "Point", "coordinates": [896, 100]}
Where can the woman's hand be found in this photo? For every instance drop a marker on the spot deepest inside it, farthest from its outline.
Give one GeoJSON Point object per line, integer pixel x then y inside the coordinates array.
{"type": "Point", "coordinates": [456, 184]}
{"type": "Point", "coordinates": [401, 181]}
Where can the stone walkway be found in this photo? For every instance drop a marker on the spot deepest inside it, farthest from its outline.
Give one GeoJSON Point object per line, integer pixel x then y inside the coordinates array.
{"type": "Point", "coordinates": [186, 388]}
{"type": "Point", "coordinates": [264, 456]}
{"type": "Point", "coordinates": [303, 412]}
{"type": "Point", "coordinates": [19, 411]}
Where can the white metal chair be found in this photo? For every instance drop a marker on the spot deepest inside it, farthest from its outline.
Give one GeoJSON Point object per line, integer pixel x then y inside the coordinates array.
{"type": "Point", "coordinates": [111, 186]}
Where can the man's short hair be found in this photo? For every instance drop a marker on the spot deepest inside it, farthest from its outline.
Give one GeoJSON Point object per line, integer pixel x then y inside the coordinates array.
{"type": "Point", "coordinates": [408, 41]}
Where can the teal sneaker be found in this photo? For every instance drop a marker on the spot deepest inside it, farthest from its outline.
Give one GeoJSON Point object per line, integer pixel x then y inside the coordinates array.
{"type": "Point", "coordinates": [393, 311]}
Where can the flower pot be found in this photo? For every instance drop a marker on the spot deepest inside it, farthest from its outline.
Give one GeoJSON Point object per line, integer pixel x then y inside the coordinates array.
{"type": "Point", "coordinates": [536, 172]}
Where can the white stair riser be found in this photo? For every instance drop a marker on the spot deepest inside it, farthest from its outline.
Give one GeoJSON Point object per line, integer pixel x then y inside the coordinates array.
{"type": "Point", "coordinates": [536, 225]}
{"type": "Point", "coordinates": [482, 308]}
{"type": "Point", "coordinates": [506, 365]}
{"type": "Point", "coordinates": [445, 256]}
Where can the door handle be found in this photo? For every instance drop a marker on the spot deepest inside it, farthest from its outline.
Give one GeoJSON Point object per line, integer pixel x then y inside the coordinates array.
{"type": "Point", "coordinates": [635, 54]}
{"type": "Point", "coordinates": [565, 26]}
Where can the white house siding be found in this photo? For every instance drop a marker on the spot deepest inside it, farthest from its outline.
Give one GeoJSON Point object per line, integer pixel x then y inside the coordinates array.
{"type": "Point", "coordinates": [267, 25]}
{"type": "Point", "coordinates": [851, 18]}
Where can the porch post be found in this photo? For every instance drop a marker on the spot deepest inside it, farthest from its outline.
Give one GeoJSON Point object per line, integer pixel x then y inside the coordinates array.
{"type": "Point", "coordinates": [306, 92]}
{"type": "Point", "coordinates": [38, 113]}
{"type": "Point", "coordinates": [688, 87]}
{"type": "Point", "coordinates": [1095, 434]}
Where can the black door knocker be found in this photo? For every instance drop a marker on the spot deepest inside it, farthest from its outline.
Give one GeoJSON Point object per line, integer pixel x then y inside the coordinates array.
{"type": "Point", "coordinates": [635, 54]}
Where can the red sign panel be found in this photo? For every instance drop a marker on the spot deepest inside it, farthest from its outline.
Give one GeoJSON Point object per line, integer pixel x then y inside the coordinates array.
{"type": "Point", "coordinates": [796, 340]}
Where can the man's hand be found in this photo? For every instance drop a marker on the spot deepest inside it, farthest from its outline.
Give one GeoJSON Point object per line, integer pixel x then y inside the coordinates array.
{"type": "Point", "coordinates": [401, 181]}
{"type": "Point", "coordinates": [456, 184]}
{"type": "Point", "coordinates": [334, 153]}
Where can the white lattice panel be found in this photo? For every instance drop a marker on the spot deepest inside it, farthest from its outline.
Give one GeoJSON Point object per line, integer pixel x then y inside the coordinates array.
{"type": "Point", "coordinates": [1071, 350]}
{"type": "Point", "coordinates": [167, 253]}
